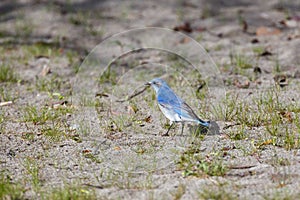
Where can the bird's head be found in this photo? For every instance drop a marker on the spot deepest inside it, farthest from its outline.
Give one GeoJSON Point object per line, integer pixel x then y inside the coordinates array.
{"type": "Point", "coordinates": [156, 83]}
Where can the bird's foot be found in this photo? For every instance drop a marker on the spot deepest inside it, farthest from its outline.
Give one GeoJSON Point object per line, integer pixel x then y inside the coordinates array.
{"type": "Point", "coordinates": [165, 134]}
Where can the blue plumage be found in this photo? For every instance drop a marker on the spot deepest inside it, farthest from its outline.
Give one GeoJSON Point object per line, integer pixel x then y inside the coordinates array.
{"type": "Point", "coordinates": [172, 106]}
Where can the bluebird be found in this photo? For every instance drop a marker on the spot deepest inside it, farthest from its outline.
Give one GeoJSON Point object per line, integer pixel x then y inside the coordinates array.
{"type": "Point", "coordinates": [172, 106]}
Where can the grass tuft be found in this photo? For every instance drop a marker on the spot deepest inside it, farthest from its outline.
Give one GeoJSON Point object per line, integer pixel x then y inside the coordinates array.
{"type": "Point", "coordinates": [71, 193]}
{"type": "Point", "coordinates": [9, 190]}
{"type": "Point", "coordinates": [192, 163]}
{"type": "Point", "coordinates": [7, 74]}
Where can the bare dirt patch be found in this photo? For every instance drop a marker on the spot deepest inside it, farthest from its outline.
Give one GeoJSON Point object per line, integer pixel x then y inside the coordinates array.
{"type": "Point", "coordinates": [55, 146]}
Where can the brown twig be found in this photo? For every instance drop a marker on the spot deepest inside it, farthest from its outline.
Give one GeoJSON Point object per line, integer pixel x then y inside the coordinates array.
{"type": "Point", "coordinates": [134, 94]}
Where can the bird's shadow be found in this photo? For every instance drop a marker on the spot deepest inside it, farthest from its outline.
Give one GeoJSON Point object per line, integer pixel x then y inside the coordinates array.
{"type": "Point", "coordinates": [198, 130]}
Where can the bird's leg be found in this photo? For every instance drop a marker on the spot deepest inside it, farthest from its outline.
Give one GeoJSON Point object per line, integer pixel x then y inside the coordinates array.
{"type": "Point", "coordinates": [182, 127]}
{"type": "Point", "coordinates": [167, 133]}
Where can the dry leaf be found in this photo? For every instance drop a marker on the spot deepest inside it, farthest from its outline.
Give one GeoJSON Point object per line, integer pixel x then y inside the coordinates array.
{"type": "Point", "coordinates": [266, 53]}
{"type": "Point", "coordinates": [257, 70]}
{"type": "Point", "coordinates": [226, 148]}
{"type": "Point", "coordinates": [281, 80]}
{"type": "Point", "coordinates": [287, 115]}
{"type": "Point", "coordinates": [86, 151]}
{"type": "Point", "coordinates": [59, 104]}
{"type": "Point", "coordinates": [244, 84]}
{"type": "Point", "coordinates": [290, 23]}
{"type": "Point", "coordinates": [148, 119]}
{"type": "Point", "coordinates": [267, 142]}
{"type": "Point", "coordinates": [186, 28]}
{"type": "Point", "coordinates": [263, 31]}
{"type": "Point", "coordinates": [117, 148]}
{"type": "Point", "coordinates": [254, 41]}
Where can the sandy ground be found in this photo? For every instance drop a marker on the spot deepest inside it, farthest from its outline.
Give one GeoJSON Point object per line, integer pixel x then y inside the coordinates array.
{"type": "Point", "coordinates": [64, 127]}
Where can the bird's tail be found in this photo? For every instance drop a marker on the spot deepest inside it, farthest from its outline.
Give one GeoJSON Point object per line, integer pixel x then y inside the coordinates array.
{"type": "Point", "coordinates": [204, 123]}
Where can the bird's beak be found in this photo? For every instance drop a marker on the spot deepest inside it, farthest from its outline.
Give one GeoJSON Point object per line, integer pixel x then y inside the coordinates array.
{"type": "Point", "coordinates": [148, 83]}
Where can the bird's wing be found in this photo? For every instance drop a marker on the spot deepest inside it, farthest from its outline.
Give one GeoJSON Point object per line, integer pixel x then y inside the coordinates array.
{"type": "Point", "coordinates": [186, 112]}
{"type": "Point", "coordinates": [167, 96]}
{"type": "Point", "coordinates": [169, 100]}
{"type": "Point", "coordinates": [183, 113]}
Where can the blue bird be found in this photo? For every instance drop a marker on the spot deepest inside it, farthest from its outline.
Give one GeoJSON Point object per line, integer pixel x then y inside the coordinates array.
{"type": "Point", "coordinates": [172, 106]}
